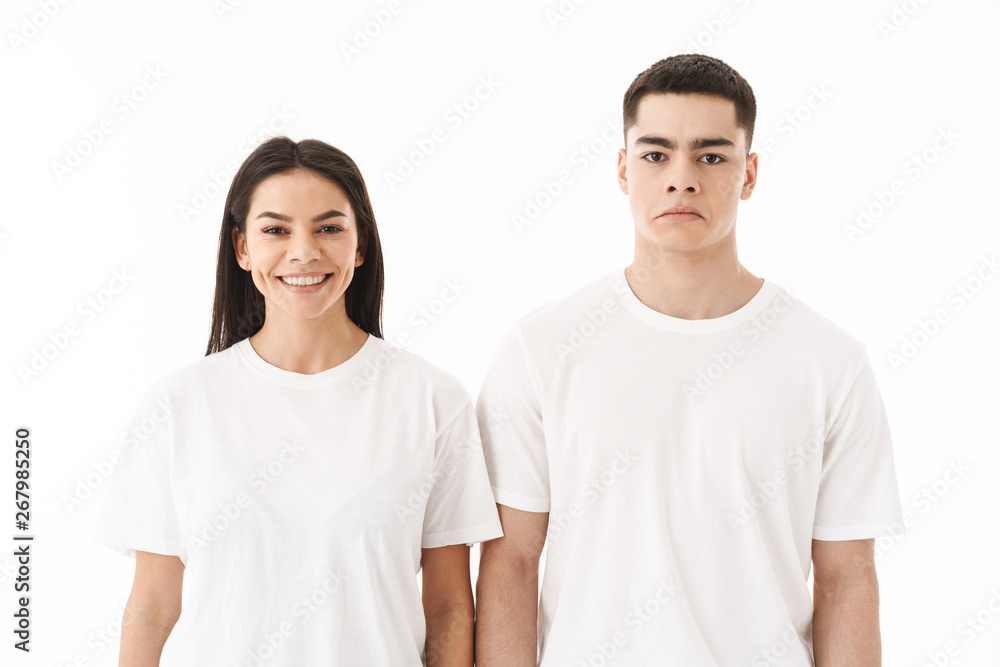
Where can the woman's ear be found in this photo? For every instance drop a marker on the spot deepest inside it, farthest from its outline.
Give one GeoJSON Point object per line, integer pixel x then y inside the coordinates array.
{"type": "Point", "coordinates": [359, 255]}
{"type": "Point", "coordinates": [240, 247]}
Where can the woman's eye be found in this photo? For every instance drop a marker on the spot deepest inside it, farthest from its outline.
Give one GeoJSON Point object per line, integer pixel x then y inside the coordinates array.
{"type": "Point", "coordinates": [333, 228]}
{"type": "Point", "coordinates": [273, 230]}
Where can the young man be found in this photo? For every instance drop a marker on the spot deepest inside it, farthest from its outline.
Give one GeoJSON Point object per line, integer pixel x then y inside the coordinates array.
{"type": "Point", "coordinates": [683, 436]}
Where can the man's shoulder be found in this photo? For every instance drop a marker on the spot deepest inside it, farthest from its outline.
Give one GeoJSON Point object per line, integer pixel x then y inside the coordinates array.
{"type": "Point", "coordinates": [597, 294]}
{"type": "Point", "coordinates": [811, 332]}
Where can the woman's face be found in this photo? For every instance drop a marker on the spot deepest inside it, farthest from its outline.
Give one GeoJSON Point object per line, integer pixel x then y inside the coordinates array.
{"type": "Point", "coordinates": [300, 229]}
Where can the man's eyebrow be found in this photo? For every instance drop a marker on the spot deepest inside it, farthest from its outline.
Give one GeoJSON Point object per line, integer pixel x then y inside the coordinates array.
{"type": "Point", "coordinates": [694, 144]}
{"type": "Point", "coordinates": [332, 213]}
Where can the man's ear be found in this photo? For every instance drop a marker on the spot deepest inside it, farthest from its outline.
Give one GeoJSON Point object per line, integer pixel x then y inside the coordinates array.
{"type": "Point", "coordinates": [749, 176]}
{"type": "Point", "coordinates": [622, 176]}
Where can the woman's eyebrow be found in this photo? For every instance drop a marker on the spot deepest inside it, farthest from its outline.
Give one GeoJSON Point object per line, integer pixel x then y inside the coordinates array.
{"type": "Point", "coordinates": [332, 213]}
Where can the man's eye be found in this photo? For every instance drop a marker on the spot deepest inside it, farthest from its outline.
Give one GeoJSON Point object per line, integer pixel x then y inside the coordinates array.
{"type": "Point", "coordinates": [654, 157]}
{"type": "Point", "coordinates": [718, 158]}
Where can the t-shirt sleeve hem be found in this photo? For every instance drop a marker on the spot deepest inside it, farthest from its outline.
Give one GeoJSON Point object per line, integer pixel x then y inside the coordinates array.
{"type": "Point", "coordinates": [127, 544]}
{"type": "Point", "coordinates": [467, 536]}
{"type": "Point", "coordinates": [519, 502]}
{"type": "Point", "coordinates": [861, 531]}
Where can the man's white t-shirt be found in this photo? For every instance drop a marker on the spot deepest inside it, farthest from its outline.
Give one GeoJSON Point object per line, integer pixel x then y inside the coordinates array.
{"type": "Point", "coordinates": [686, 466]}
{"type": "Point", "coordinates": [299, 503]}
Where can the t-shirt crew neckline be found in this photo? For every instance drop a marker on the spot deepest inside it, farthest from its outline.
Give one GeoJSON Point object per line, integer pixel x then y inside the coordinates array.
{"type": "Point", "coordinates": [709, 325]}
{"type": "Point", "coordinates": [341, 370]}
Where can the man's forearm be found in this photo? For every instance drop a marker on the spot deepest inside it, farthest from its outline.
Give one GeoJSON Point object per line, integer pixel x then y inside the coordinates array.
{"type": "Point", "coordinates": [846, 625]}
{"type": "Point", "coordinates": [507, 614]}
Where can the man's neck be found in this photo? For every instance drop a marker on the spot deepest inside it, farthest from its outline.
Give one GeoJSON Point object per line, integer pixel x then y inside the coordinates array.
{"type": "Point", "coordinates": [691, 286]}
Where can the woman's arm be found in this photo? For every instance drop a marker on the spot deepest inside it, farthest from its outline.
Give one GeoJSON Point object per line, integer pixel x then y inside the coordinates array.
{"type": "Point", "coordinates": [448, 607]}
{"type": "Point", "coordinates": [152, 609]}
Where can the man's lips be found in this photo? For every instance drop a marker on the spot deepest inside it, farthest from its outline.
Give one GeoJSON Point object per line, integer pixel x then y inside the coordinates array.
{"type": "Point", "coordinates": [681, 211]}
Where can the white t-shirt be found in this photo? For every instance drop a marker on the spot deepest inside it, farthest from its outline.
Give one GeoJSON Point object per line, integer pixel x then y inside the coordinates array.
{"type": "Point", "coordinates": [686, 466]}
{"type": "Point", "coordinates": [299, 503]}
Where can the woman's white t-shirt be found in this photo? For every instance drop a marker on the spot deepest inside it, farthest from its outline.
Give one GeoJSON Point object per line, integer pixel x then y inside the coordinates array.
{"type": "Point", "coordinates": [299, 503]}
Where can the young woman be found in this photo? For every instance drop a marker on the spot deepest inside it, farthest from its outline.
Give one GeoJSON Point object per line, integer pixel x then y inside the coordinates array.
{"type": "Point", "coordinates": [299, 475]}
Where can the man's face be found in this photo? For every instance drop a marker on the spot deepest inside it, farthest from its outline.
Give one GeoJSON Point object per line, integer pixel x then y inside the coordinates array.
{"type": "Point", "coordinates": [685, 151]}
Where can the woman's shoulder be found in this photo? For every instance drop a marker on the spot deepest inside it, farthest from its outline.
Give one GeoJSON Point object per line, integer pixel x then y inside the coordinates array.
{"type": "Point", "coordinates": [198, 372]}
{"type": "Point", "coordinates": [410, 369]}
{"type": "Point", "coordinates": [406, 362]}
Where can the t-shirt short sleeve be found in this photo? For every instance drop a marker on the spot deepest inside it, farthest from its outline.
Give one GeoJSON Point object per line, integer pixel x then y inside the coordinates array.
{"type": "Point", "coordinates": [858, 492]}
{"type": "Point", "coordinates": [510, 423]}
{"type": "Point", "coordinates": [139, 512]}
{"type": "Point", "coordinates": [460, 507]}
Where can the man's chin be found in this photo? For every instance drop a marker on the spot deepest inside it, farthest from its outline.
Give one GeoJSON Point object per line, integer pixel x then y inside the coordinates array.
{"type": "Point", "coordinates": [679, 240]}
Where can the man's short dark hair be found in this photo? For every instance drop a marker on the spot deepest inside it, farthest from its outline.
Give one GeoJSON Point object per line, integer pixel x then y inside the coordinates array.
{"type": "Point", "coordinates": [693, 73]}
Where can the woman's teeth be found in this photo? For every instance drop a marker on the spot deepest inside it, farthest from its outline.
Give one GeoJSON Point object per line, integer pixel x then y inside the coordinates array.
{"type": "Point", "coordinates": [303, 282]}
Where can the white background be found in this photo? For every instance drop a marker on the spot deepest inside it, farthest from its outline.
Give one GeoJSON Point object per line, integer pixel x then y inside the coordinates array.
{"type": "Point", "coordinates": [848, 93]}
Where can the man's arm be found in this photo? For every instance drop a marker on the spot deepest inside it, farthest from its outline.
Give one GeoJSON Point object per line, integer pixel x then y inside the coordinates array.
{"type": "Point", "coordinates": [845, 604]}
{"type": "Point", "coordinates": [448, 607]}
{"type": "Point", "coordinates": [507, 591]}
{"type": "Point", "coordinates": [153, 607]}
